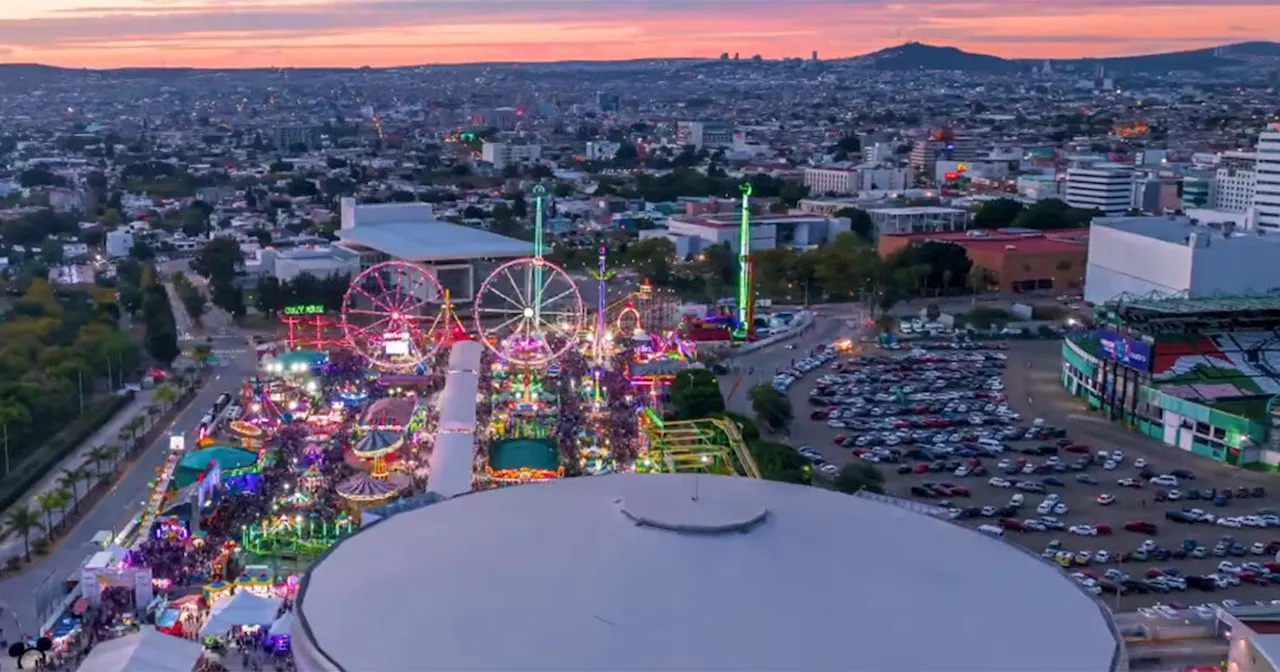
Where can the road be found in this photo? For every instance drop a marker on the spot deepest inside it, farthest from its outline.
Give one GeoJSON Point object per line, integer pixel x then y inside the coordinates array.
{"type": "Point", "coordinates": [760, 366]}
{"type": "Point", "coordinates": [20, 593]}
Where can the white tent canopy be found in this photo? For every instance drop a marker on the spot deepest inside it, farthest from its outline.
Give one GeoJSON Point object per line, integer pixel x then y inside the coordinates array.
{"type": "Point", "coordinates": [282, 626]}
{"type": "Point", "coordinates": [244, 608]}
{"type": "Point", "coordinates": [147, 651]}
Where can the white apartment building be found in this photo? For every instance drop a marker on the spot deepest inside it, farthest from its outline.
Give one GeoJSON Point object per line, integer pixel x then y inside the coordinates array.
{"type": "Point", "coordinates": [709, 134]}
{"type": "Point", "coordinates": [846, 180]}
{"type": "Point", "coordinates": [503, 154]}
{"type": "Point", "coordinates": [1267, 187]}
{"type": "Point", "coordinates": [1235, 182]}
{"type": "Point", "coordinates": [1105, 186]}
{"type": "Point", "coordinates": [119, 242]}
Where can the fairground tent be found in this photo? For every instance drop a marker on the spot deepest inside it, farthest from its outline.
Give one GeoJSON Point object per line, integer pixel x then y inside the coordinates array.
{"type": "Point", "coordinates": [147, 651]}
{"type": "Point", "coordinates": [244, 608]}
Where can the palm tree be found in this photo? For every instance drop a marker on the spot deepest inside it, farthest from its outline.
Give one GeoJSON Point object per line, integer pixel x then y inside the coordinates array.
{"type": "Point", "coordinates": [97, 455]}
{"type": "Point", "coordinates": [63, 499]}
{"type": "Point", "coordinates": [70, 480]}
{"type": "Point", "coordinates": [111, 453]}
{"type": "Point", "coordinates": [22, 520]}
{"type": "Point", "coordinates": [165, 395]}
{"type": "Point", "coordinates": [48, 503]}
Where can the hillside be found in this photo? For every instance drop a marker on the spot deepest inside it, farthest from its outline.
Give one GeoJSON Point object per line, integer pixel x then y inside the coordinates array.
{"type": "Point", "coordinates": [918, 56]}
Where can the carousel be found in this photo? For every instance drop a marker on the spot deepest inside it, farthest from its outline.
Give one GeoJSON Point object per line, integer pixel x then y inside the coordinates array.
{"type": "Point", "coordinates": [379, 485]}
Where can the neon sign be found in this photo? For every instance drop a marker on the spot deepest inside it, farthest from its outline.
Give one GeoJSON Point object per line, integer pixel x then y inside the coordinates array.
{"type": "Point", "coordinates": [305, 309]}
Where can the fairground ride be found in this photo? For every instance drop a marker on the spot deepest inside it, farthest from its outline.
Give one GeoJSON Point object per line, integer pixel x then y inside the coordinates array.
{"type": "Point", "coordinates": [710, 445]}
{"type": "Point", "coordinates": [529, 312]}
{"type": "Point", "coordinates": [312, 330]}
{"type": "Point", "coordinates": [396, 315]}
{"type": "Point", "coordinates": [746, 278]}
{"type": "Point", "coordinates": [295, 535]}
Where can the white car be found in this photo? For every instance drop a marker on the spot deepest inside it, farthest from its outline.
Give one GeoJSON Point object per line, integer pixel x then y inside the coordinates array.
{"type": "Point", "coordinates": [1106, 499]}
{"type": "Point", "coordinates": [1165, 480]}
{"type": "Point", "coordinates": [1060, 509]}
{"type": "Point", "coordinates": [1140, 463]}
{"type": "Point", "coordinates": [1083, 530]}
{"type": "Point", "coordinates": [1233, 523]}
{"type": "Point", "coordinates": [998, 482]}
{"type": "Point", "coordinates": [1109, 466]}
{"type": "Point", "coordinates": [1017, 499]}
{"type": "Point", "coordinates": [1045, 508]}
{"type": "Point", "coordinates": [1102, 556]}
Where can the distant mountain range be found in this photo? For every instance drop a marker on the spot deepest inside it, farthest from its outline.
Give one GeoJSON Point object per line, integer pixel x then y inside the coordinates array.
{"type": "Point", "coordinates": [904, 57]}
{"type": "Point", "coordinates": [918, 56]}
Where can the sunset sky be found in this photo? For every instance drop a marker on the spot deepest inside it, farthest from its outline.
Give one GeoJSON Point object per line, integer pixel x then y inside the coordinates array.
{"type": "Point", "coordinates": [246, 33]}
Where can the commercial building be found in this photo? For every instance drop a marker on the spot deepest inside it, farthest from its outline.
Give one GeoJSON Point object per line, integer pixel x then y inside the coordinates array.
{"type": "Point", "coordinates": [1016, 260]}
{"type": "Point", "coordinates": [1267, 187]}
{"type": "Point", "coordinates": [287, 264]}
{"type": "Point", "coordinates": [601, 150]}
{"type": "Point", "coordinates": [1155, 193]}
{"type": "Point", "coordinates": [1197, 191]}
{"type": "Point", "coordinates": [1104, 186]}
{"type": "Point", "coordinates": [119, 242]}
{"type": "Point", "coordinates": [1177, 256]}
{"type": "Point", "coordinates": [1254, 633]}
{"type": "Point", "coordinates": [849, 179]}
{"type": "Point", "coordinates": [1235, 182]}
{"type": "Point", "coordinates": [709, 134]}
{"type": "Point", "coordinates": [1039, 187]}
{"type": "Point", "coordinates": [1196, 374]}
{"type": "Point", "coordinates": [503, 154]}
{"type": "Point", "coordinates": [692, 234]}
{"type": "Point", "coordinates": [647, 577]}
{"type": "Point", "coordinates": [940, 145]}
{"type": "Point", "coordinates": [459, 257]}
{"type": "Point", "coordinates": [924, 219]}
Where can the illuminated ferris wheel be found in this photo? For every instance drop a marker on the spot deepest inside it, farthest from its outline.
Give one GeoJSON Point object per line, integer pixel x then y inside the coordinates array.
{"type": "Point", "coordinates": [529, 311]}
{"type": "Point", "coordinates": [389, 316]}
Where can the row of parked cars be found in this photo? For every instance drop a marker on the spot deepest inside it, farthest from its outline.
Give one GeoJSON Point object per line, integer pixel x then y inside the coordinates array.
{"type": "Point", "coordinates": [785, 378]}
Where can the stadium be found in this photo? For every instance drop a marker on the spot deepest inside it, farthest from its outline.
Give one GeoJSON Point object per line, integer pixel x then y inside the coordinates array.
{"type": "Point", "coordinates": [685, 572]}
{"type": "Point", "coordinates": [1200, 374]}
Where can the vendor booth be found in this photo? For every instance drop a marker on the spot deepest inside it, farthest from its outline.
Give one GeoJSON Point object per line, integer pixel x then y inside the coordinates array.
{"type": "Point", "coordinates": [147, 651]}
{"type": "Point", "coordinates": [244, 609]}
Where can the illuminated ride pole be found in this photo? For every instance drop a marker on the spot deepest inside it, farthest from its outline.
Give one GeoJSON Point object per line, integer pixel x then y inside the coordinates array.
{"type": "Point", "coordinates": [539, 192]}
{"type": "Point", "coordinates": [746, 292]}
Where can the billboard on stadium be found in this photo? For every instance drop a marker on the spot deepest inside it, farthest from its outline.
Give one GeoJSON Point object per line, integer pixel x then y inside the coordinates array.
{"type": "Point", "coordinates": [1124, 350]}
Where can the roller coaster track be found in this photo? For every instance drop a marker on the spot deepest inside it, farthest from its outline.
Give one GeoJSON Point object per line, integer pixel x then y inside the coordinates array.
{"type": "Point", "coordinates": [692, 445]}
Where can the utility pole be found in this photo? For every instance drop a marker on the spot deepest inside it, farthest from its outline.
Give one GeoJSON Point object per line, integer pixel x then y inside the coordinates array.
{"type": "Point", "coordinates": [80, 384]}
{"type": "Point", "coordinates": [6, 449]}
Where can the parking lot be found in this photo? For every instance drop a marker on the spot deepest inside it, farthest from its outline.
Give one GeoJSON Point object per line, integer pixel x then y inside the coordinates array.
{"type": "Point", "coordinates": [982, 430]}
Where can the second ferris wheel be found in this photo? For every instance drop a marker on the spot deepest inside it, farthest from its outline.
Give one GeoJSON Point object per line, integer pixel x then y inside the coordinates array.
{"type": "Point", "coordinates": [529, 312]}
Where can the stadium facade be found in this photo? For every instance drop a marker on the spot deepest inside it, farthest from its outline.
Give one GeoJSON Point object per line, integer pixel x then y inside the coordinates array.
{"type": "Point", "coordinates": [1200, 374]}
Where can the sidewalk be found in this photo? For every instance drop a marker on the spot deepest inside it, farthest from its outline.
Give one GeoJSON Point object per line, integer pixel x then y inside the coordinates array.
{"type": "Point", "coordinates": [109, 433]}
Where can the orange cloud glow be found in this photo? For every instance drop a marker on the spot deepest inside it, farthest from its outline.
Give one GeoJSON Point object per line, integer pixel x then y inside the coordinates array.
{"type": "Point", "coordinates": [300, 33]}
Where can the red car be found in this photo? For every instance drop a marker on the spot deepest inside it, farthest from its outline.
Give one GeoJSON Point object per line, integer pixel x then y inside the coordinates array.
{"type": "Point", "coordinates": [1140, 526]}
{"type": "Point", "coordinates": [1076, 448]}
{"type": "Point", "coordinates": [1103, 529]}
{"type": "Point", "coordinates": [921, 468]}
{"type": "Point", "coordinates": [1011, 524]}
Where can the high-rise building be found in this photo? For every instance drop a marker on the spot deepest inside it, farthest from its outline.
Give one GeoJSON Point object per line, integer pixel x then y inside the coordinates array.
{"type": "Point", "coordinates": [942, 144]}
{"type": "Point", "coordinates": [289, 137]}
{"type": "Point", "coordinates": [503, 154]}
{"type": "Point", "coordinates": [1235, 182]}
{"type": "Point", "coordinates": [1266, 198]}
{"type": "Point", "coordinates": [1105, 186]}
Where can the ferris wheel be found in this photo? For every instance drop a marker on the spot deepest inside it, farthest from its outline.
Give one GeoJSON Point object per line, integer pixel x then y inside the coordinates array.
{"type": "Point", "coordinates": [529, 312]}
{"type": "Point", "coordinates": [390, 315]}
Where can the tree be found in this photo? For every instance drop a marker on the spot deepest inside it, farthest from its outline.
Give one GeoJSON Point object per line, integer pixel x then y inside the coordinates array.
{"type": "Point", "coordinates": [859, 475]}
{"type": "Point", "coordinates": [71, 479]}
{"type": "Point", "coordinates": [652, 259]}
{"type": "Point", "coordinates": [22, 520]}
{"type": "Point", "coordinates": [695, 394]}
{"type": "Point", "coordinates": [780, 462]}
{"type": "Point", "coordinates": [142, 251]}
{"type": "Point", "coordinates": [227, 296]}
{"type": "Point", "coordinates": [269, 299]}
{"type": "Point", "coordinates": [860, 223]}
{"type": "Point", "coordinates": [98, 455]}
{"type": "Point", "coordinates": [218, 260]}
{"type": "Point", "coordinates": [48, 503]}
{"type": "Point", "coordinates": [771, 406]}
{"type": "Point", "coordinates": [997, 214]}
{"type": "Point", "coordinates": [1052, 213]}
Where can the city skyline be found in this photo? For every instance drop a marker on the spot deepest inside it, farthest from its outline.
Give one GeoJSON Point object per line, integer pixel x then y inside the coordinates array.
{"type": "Point", "coordinates": [381, 33]}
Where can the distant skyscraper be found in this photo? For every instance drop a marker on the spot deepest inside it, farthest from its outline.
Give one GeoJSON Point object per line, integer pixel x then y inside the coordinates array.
{"type": "Point", "coordinates": [1266, 200]}
{"type": "Point", "coordinates": [815, 54]}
